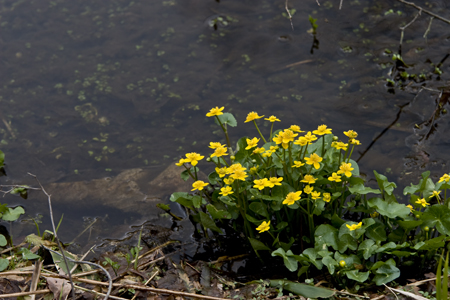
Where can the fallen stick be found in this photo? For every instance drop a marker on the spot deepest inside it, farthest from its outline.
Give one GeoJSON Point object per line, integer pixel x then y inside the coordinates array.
{"type": "Point", "coordinates": [25, 293]}
{"type": "Point", "coordinates": [425, 11]}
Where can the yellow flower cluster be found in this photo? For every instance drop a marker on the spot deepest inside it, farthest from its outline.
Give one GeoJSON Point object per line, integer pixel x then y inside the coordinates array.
{"type": "Point", "coordinates": [192, 158]}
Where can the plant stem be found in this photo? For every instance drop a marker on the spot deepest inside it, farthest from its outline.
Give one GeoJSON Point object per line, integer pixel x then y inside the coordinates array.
{"type": "Point", "coordinates": [224, 128]}
{"type": "Point", "coordinates": [254, 122]}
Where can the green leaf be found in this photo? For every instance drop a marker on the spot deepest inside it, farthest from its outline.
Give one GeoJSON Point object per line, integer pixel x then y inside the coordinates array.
{"type": "Point", "coordinates": [207, 222]}
{"type": "Point", "coordinates": [330, 263]}
{"type": "Point", "coordinates": [319, 207]}
{"type": "Point", "coordinates": [408, 225]}
{"type": "Point", "coordinates": [27, 254]}
{"type": "Point", "coordinates": [258, 245]}
{"type": "Point", "coordinates": [290, 262]}
{"type": "Point", "coordinates": [182, 198]}
{"type": "Point", "coordinates": [386, 273]}
{"type": "Point", "coordinates": [437, 215]}
{"type": "Point", "coordinates": [3, 264]}
{"type": "Point", "coordinates": [387, 246]}
{"type": "Point", "coordinates": [13, 214]}
{"type": "Point", "coordinates": [377, 232]}
{"type": "Point", "coordinates": [357, 276]}
{"type": "Point", "coordinates": [368, 248]}
{"type": "Point", "coordinates": [326, 234]}
{"type": "Point", "coordinates": [384, 184]}
{"type": "Point", "coordinates": [432, 244]}
{"type": "Point", "coordinates": [213, 178]}
{"type": "Point", "coordinates": [226, 118]}
{"type": "Point", "coordinates": [362, 190]}
{"type": "Point", "coordinates": [390, 210]}
{"type": "Point", "coordinates": [259, 208]}
{"type": "Point", "coordinates": [185, 175]}
{"type": "Point", "coordinates": [218, 214]}
{"type": "Point", "coordinates": [252, 219]}
{"type": "Point", "coordinates": [2, 158]}
{"type": "Point", "coordinates": [3, 241]}
{"type": "Point", "coordinates": [304, 290]}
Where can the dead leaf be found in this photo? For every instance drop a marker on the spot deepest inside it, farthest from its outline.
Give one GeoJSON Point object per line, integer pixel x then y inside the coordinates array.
{"type": "Point", "coordinates": [59, 287]}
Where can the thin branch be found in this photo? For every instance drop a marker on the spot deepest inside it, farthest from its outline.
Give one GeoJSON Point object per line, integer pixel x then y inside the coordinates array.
{"type": "Point", "coordinates": [340, 4]}
{"type": "Point", "coordinates": [318, 2]}
{"type": "Point", "coordinates": [289, 13]}
{"type": "Point", "coordinates": [425, 11]}
{"type": "Point", "coordinates": [54, 232]}
{"type": "Point", "coordinates": [428, 28]}
{"type": "Point", "coordinates": [46, 291]}
{"type": "Point", "coordinates": [406, 26]}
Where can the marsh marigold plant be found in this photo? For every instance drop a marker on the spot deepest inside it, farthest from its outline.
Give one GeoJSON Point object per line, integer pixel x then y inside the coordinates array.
{"type": "Point", "coordinates": [298, 195]}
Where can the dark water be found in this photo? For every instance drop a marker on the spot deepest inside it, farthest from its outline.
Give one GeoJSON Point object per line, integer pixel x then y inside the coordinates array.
{"type": "Point", "coordinates": [92, 88]}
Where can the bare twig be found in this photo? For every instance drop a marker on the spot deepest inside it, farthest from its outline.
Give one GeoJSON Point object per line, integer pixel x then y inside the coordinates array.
{"type": "Point", "coordinates": [289, 13]}
{"type": "Point", "coordinates": [340, 4]}
{"type": "Point", "coordinates": [318, 2]}
{"type": "Point", "coordinates": [25, 293]}
{"type": "Point", "coordinates": [54, 232]}
{"type": "Point", "coordinates": [12, 248]}
{"type": "Point", "coordinates": [406, 26]}
{"type": "Point", "coordinates": [83, 257]}
{"type": "Point", "coordinates": [396, 297]}
{"type": "Point", "coordinates": [428, 28]}
{"type": "Point", "coordinates": [425, 11]}
{"type": "Point", "coordinates": [98, 293]}
{"type": "Point", "coordinates": [110, 284]}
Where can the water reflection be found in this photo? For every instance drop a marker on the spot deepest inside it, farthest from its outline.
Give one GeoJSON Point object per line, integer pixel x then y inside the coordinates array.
{"type": "Point", "coordinates": [91, 90]}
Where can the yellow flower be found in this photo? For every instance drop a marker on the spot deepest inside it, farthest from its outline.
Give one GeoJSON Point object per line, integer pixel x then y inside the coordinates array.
{"type": "Point", "coordinates": [339, 145]}
{"type": "Point", "coordinates": [310, 137]}
{"type": "Point", "coordinates": [314, 159]}
{"type": "Point", "coordinates": [315, 195]}
{"type": "Point", "coordinates": [252, 116]}
{"type": "Point", "coordinates": [259, 150]}
{"type": "Point", "coordinates": [181, 162]}
{"type": "Point", "coordinates": [268, 153]}
{"type": "Point", "coordinates": [435, 194]}
{"type": "Point", "coordinates": [193, 158]}
{"type": "Point", "coordinates": [326, 197]}
{"type": "Point", "coordinates": [214, 145]}
{"type": "Point", "coordinates": [222, 171]}
{"type": "Point", "coordinates": [422, 202]}
{"type": "Point", "coordinates": [263, 227]}
{"type": "Point", "coordinates": [335, 177]}
{"type": "Point", "coordinates": [309, 179]}
{"type": "Point", "coordinates": [251, 143]}
{"type": "Point", "coordinates": [239, 175]}
{"type": "Point", "coordinates": [292, 197]}
{"type": "Point", "coordinates": [225, 191]}
{"type": "Point", "coordinates": [228, 180]}
{"type": "Point", "coordinates": [295, 128]}
{"type": "Point", "coordinates": [374, 214]}
{"type": "Point", "coordinates": [410, 207]}
{"type": "Point", "coordinates": [308, 189]}
{"type": "Point", "coordinates": [354, 226]}
{"type": "Point", "coordinates": [236, 167]}
{"type": "Point", "coordinates": [272, 119]}
{"type": "Point", "coordinates": [275, 181]}
{"type": "Point", "coordinates": [284, 137]}
{"type": "Point", "coordinates": [221, 151]}
{"type": "Point", "coordinates": [260, 184]}
{"type": "Point", "coordinates": [199, 185]}
{"type": "Point", "coordinates": [322, 129]}
{"type": "Point", "coordinates": [354, 142]}
{"type": "Point", "coordinates": [253, 170]}
{"type": "Point", "coordinates": [351, 134]}
{"type": "Point", "coordinates": [274, 148]}
{"type": "Point", "coordinates": [346, 169]}
{"type": "Point", "coordinates": [215, 111]}
{"type": "Point", "coordinates": [302, 141]}
{"type": "Point", "coordinates": [445, 178]}
{"type": "Point", "coordinates": [297, 164]}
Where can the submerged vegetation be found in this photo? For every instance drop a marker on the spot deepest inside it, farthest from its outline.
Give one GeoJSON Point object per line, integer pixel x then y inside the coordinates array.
{"type": "Point", "coordinates": [300, 196]}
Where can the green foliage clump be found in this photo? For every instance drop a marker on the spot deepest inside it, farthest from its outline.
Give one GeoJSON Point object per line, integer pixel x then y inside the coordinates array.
{"type": "Point", "coordinates": [301, 198]}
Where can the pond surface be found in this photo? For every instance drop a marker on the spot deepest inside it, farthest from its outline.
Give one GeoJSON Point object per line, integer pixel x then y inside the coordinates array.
{"type": "Point", "coordinates": [90, 89]}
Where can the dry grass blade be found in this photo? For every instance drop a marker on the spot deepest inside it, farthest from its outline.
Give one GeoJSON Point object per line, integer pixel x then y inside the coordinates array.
{"type": "Point", "coordinates": [12, 248]}
{"type": "Point", "coordinates": [98, 293]}
{"type": "Point", "coordinates": [408, 294]}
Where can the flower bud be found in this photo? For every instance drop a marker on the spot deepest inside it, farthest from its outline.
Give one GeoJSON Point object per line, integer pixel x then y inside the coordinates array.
{"type": "Point", "coordinates": [335, 138]}
{"type": "Point", "coordinates": [254, 161]}
{"type": "Point", "coordinates": [342, 263]}
{"type": "Point", "coordinates": [426, 228]}
{"type": "Point", "coordinates": [418, 216]}
{"type": "Point", "coordinates": [232, 157]}
{"type": "Point", "coordinates": [208, 159]}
